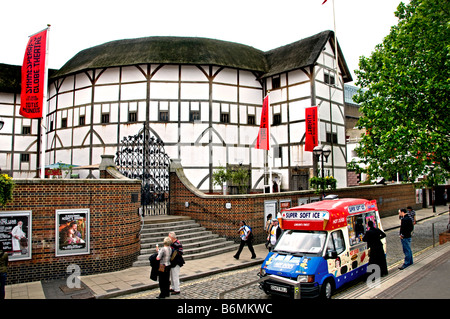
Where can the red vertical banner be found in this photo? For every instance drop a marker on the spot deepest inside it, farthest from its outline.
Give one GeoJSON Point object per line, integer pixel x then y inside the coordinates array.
{"type": "Point", "coordinates": [262, 142]}
{"type": "Point", "coordinates": [33, 76]}
{"type": "Point", "coordinates": [311, 133]}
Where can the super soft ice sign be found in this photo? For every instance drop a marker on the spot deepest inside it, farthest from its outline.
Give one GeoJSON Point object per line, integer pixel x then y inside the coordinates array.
{"type": "Point", "coordinates": [306, 215]}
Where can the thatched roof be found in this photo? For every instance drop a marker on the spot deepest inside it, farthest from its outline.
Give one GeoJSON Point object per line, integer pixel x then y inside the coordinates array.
{"type": "Point", "coordinates": [302, 53]}
{"type": "Point", "coordinates": [10, 76]}
{"type": "Point", "coordinates": [167, 50]}
{"type": "Point", "coordinates": [202, 51]}
{"type": "Point", "coordinates": [191, 51]}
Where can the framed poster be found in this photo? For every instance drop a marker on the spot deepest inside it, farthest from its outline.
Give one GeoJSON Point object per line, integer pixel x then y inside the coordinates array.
{"type": "Point", "coordinates": [15, 234]}
{"type": "Point", "coordinates": [285, 204]}
{"type": "Point", "coordinates": [72, 232]}
{"type": "Point", "coordinates": [270, 208]}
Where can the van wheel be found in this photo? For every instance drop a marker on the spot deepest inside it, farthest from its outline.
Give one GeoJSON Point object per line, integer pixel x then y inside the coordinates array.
{"type": "Point", "coordinates": [327, 289]}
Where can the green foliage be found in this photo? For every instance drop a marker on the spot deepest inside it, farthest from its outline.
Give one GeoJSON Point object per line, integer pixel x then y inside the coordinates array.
{"type": "Point", "coordinates": [6, 188]}
{"type": "Point", "coordinates": [239, 177]}
{"type": "Point", "coordinates": [321, 184]}
{"type": "Point", "coordinates": [220, 176]}
{"type": "Point", "coordinates": [405, 101]}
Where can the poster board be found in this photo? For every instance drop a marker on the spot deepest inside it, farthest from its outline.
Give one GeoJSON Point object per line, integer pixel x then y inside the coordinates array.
{"type": "Point", "coordinates": [15, 234]}
{"type": "Point", "coordinates": [72, 232]}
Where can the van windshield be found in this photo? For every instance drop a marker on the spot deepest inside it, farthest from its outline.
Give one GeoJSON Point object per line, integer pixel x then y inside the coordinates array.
{"type": "Point", "coordinates": [301, 242]}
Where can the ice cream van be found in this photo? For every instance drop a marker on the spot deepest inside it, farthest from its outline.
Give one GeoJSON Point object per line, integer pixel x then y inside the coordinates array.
{"type": "Point", "coordinates": [321, 247]}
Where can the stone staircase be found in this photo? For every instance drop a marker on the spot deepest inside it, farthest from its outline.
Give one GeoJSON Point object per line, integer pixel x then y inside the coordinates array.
{"type": "Point", "coordinates": [196, 240]}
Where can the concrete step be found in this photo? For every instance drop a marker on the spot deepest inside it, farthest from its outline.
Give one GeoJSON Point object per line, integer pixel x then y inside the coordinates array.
{"type": "Point", "coordinates": [196, 240]}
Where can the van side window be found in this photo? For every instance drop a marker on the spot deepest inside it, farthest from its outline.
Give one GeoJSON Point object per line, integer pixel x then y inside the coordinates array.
{"type": "Point", "coordinates": [336, 242]}
{"type": "Point", "coordinates": [357, 226]}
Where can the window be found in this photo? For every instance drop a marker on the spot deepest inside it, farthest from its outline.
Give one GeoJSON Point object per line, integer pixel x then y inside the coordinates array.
{"type": "Point", "coordinates": [164, 116]}
{"type": "Point", "coordinates": [64, 122]}
{"type": "Point", "coordinates": [328, 77]}
{"type": "Point", "coordinates": [301, 242]}
{"type": "Point", "coordinates": [132, 116]}
{"type": "Point", "coordinates": [24, 158]}
{"type": "Point", "coordinates": [336, 242]}
{"type": "Point", "coordinates": [224, 118]}
{"type": "Point", "coordinates": [82, 120]}
{"type": "Point", "coordinates": [276, 82]}
{"type": "Point", "coordinates": [251, 119]}
{"type": "Point", "coordinates": [194, 116]}
{"type": "Point", "coordinates": [105, 118]}
{"type": "Point", "coordinates": [51, 126]}
{"type": "Point", "coordinates": [332, 137]}
{"type": "Point", "coordinates": [26, 130]}
{"type": "Point", "coordinates": [278, 152]}
{"type": "Point", "coordinates": [276, 119]}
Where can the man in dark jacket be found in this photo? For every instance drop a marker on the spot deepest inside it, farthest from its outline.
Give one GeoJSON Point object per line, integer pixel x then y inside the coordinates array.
{"type": "Point", "coordinates": [406, 229]}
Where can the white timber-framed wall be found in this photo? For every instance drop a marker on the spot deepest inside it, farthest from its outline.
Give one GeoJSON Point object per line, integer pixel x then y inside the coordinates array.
{"type": "Point", "coordinates": [207, 115]}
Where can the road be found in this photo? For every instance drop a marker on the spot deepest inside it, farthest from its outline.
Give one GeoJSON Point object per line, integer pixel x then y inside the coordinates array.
{"type": "Point", "coordinates": [210, 287]}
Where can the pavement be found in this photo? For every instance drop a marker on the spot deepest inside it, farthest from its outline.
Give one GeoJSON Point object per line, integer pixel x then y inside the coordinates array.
{"type": "Point", "coordinates": [427, 272]}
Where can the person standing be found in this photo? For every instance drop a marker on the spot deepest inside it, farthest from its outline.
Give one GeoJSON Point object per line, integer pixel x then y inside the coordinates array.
{"type": "Point", "coordinates": [412, 214]}
{"type": "Point", "coordinates": [3, 270]}
{"type": "Point", "coordinates": [406, 228]}
{"type": "Point", "coordinates": [164, 269]}
{"type": "Point", "coordinates": [246, 236]}
{"type": "Point", "coordinates": [176, 262]}
{"type": "Point", "coordinates": [274, 233]}
{"type": "Point", "coordinates": [377, 256]}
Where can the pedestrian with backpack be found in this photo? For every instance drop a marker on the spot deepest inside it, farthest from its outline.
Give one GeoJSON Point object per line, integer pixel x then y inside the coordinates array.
{"type": "Point", "coordinates": [246, 235]}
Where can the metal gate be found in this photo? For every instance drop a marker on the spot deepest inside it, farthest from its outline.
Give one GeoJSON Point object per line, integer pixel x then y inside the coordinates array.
{"type": "Point", "coordinates": [142, 156]}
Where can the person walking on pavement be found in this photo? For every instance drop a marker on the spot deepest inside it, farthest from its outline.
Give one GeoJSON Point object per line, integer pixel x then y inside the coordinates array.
{"type": "Point", "coordinates": [176, 262]}
{"type": "Point", "coordinates": [246, 235]}
{"type": "Point", "coordinates": [3, 270]}
{"type": "Point", "coordinates": [406, 228]}
{"type": "Point", "coordinates": [377, 256]}
{"type": "Point", "coordinates": [164, 268]}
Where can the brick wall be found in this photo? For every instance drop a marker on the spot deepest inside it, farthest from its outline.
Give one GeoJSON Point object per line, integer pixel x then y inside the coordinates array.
{"type": "Point", "coordinates": [114, 225]}
{"type": "Point", "coordinates": [211, 211]}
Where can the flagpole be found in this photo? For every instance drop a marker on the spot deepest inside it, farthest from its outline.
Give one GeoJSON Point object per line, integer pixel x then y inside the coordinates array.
{"type": "Point", "coordinates": [270, 150]}
{"type": "Point", "coordinates": [44, 108]}
{"type": "Point", "coordinates": [335, 48]}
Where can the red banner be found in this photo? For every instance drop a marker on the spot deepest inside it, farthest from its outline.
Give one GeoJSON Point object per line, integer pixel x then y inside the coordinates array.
{"type": "Point", "coordinates": [33, 77]}
{"type": "Point", "coordinates": [311, 135]}
{"type": "Point", "coordinates": [262, 142]}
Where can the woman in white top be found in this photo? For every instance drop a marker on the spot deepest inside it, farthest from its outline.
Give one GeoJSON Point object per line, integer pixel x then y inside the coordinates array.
{"type": "Point", "coordinates": [164, 259]}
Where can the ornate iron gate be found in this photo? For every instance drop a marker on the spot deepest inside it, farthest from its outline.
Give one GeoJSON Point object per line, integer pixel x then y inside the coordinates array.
{"type": "Point", "coordinates": [142, 156]}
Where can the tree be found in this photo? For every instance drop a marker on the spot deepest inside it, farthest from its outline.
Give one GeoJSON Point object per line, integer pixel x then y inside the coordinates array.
{"type": "Point", "coordinates": [404, 96]}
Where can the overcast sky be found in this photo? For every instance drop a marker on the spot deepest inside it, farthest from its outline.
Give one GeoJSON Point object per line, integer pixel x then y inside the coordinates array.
{"type": "Point", "coordinates": [262, 24]}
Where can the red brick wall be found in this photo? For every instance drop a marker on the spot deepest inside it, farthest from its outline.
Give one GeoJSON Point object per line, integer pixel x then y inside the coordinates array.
{"type": "Point", "coordinates": [114, 225]}
{"type": "Point", "coordinates": [210, 210]}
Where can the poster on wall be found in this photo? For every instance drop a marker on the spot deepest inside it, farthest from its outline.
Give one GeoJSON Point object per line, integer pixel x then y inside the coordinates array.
{"type": "Point", "coordinates": [72, 232]}
{"type": "Point", "coordinates": [15, 234]}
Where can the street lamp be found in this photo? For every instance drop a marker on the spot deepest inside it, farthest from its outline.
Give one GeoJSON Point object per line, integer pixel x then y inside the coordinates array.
{"type": "Point", "coordinates": [322, 152]}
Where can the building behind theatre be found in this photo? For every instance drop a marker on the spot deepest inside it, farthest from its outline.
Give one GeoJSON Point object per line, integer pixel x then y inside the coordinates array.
{"type": "Point", "coordinates": [201, 97]}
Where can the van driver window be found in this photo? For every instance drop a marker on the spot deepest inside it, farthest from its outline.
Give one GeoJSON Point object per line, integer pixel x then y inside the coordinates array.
{"type": "Point", "coordinates": [336, 242]}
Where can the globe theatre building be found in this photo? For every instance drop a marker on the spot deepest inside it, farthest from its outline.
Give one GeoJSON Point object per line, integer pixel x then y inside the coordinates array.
{"type": "Point", "coordinates": [201, 97]}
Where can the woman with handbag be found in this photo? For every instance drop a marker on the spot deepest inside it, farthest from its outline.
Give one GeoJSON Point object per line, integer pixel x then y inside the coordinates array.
{"type": "Point", "coordinates": [164, 268]}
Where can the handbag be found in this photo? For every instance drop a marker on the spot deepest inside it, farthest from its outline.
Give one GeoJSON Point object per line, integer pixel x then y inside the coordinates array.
{"type": "Point", "coordinates": [162, 267]}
